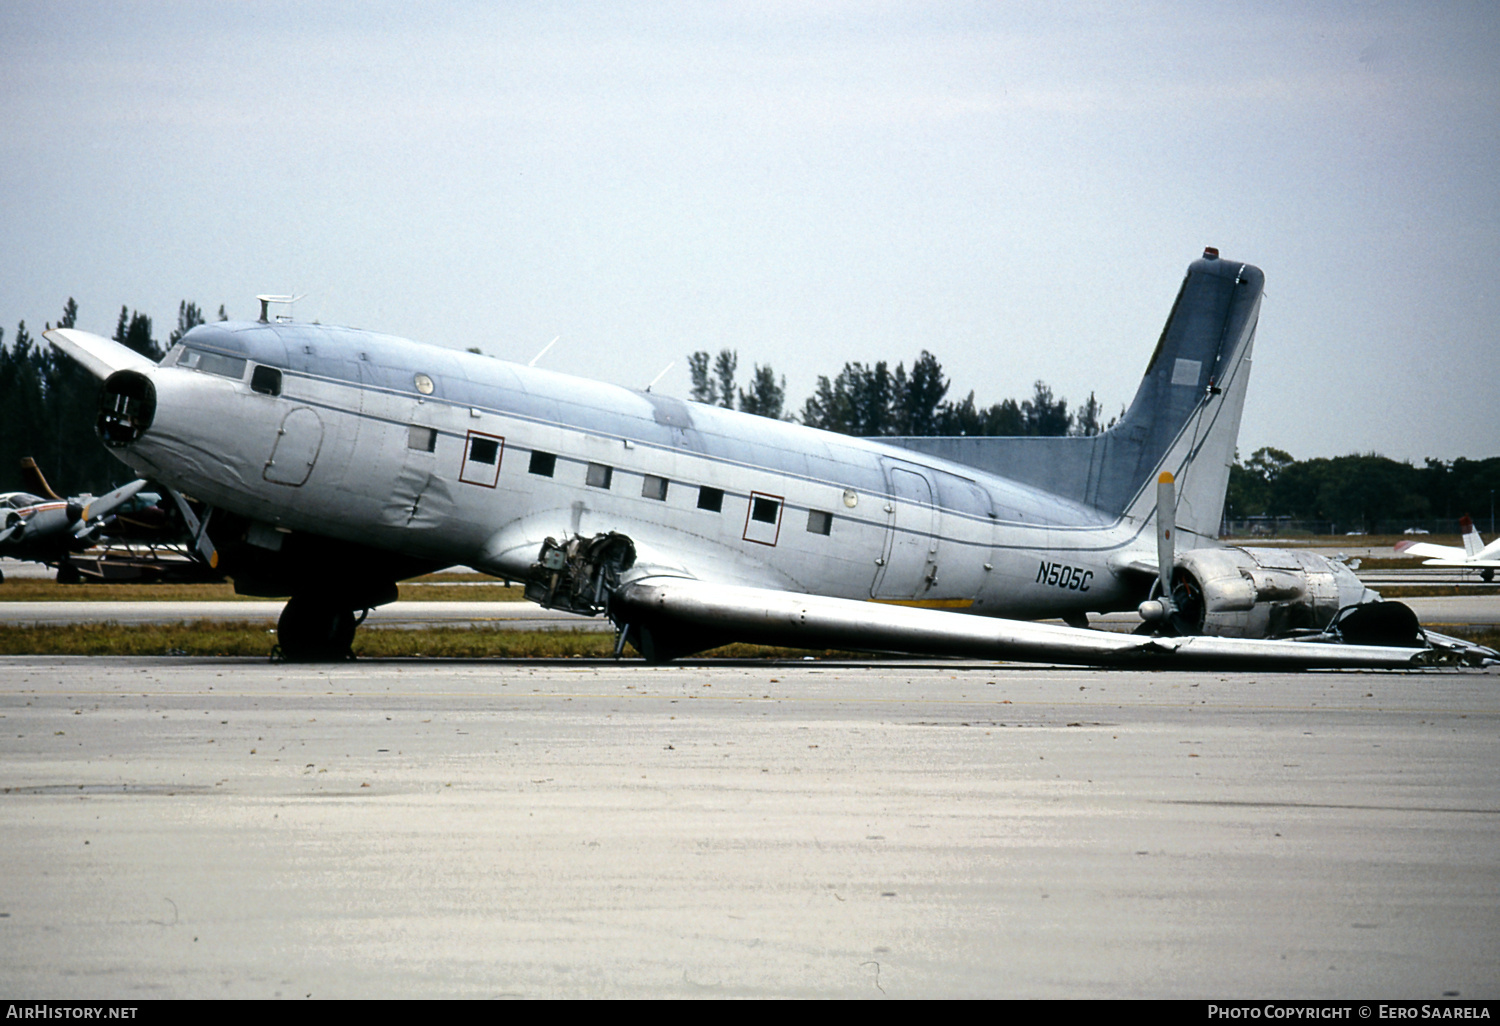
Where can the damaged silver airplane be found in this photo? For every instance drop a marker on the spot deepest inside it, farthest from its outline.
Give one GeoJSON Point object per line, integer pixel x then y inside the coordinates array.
{"type": "Point", "coordinates": [326, 464]}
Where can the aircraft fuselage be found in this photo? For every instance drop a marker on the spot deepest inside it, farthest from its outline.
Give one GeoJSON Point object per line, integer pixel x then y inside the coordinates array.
{"type": "Point", "coordinates": [458, 458]}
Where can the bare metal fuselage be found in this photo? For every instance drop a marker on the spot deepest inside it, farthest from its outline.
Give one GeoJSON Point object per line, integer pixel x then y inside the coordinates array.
{"type": "Point", "coordinates": [344, 451]}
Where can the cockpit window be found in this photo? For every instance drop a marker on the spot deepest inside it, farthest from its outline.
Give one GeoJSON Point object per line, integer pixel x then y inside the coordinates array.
{"type": "Point", "coordinates": [21, 500]}
{"type": "Point", "coordinates": [266, 380]}
{"type": "Point", "coordinates": [212, 363]}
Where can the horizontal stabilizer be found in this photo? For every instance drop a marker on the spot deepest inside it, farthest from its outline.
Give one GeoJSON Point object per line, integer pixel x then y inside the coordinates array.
{"type": "Point", "coordinates": [1431, 550]}
{"type": "Point", "coordinates": [100, 356]}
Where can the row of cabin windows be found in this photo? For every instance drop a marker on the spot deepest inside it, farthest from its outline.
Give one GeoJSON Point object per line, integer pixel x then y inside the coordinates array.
{"type": "Point", "coordinates": [544, 464]}
{"type": "Point", "coordinates": [712, 499]}
{"type": "Point", "coordinates": [267, 380]}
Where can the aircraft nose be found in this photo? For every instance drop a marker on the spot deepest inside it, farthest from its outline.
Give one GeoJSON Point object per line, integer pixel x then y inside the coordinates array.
{"type": "Point", "coordinates": [127, 407]}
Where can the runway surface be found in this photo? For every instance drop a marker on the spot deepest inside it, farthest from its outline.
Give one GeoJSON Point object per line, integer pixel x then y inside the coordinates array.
{"type": "Point", "coordinates": [229, 828]}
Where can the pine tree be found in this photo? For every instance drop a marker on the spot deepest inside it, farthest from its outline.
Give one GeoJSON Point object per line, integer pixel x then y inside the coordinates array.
{"type": "Point", "coordinates": [138, 336]}
{"type": "Point", "coordinates": [766, 396]}
{"type": "Point", "coordinates": [921, 396]}
{"type": "Point", "coordinates": [704, 389]}
{"type": "Point", "coordinates": [724, 367]}
{"type": "Point", "coordinates": [188, 318]}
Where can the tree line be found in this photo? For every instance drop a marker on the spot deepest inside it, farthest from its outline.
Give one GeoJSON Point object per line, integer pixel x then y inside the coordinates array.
{"type": "Point", "coordinates": [872, 400]}
{"type": "Point", "coordinates": [1362, 492]}
{"type": "Point", "coordinates": [48, 406]}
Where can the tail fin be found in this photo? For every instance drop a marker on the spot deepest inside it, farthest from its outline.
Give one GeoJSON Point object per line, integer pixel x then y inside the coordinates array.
{"type": "Point", "coordinates": [1473, 543]}
{"type": "Point", "coordinates": [1185, 417]}
{"type": "Point", "coordinates": [35, 480]}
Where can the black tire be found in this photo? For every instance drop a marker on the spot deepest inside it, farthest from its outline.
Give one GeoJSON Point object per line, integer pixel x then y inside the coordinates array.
{"type": "Point", "coordinates": [315, 630]}
{"type": "Point", "coordinates": [67, 573]}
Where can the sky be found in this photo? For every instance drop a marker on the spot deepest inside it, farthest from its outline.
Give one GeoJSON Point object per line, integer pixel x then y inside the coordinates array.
{"type": "Point", "coordinates": [1016, 187]}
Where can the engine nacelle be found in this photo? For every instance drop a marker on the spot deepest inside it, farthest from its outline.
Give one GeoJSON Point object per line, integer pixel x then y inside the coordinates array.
{"type": "Point", "coordinates": [1261, 593]}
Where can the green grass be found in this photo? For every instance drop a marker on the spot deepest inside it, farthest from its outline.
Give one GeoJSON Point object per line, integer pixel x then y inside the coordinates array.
{"type": "Point", "coordinates": [249, 638]}
{"type": "Point", "coordinates": [432, 588]}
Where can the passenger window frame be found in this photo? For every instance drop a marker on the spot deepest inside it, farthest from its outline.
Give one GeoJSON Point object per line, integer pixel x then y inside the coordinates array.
{"type": "Point", "coordinates": [484, 473]}
{"type": "Point", "coordinates": [759, 530]}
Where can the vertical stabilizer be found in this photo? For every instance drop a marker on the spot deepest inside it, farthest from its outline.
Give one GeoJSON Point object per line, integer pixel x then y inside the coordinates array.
{"type": "Point", "coordinates": [1473, 543]}
{"type": "Point", "coordinates": [1185, 417]}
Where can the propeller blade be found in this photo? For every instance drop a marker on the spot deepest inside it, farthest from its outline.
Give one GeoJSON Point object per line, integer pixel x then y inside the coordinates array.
{"type": "Point", "coordinates": [97, 509]}
{"type": "Point", "coordinates": [199, 529]}
{"type": "Point", "coordinates": [1166, 530]}
{"type": "Point", "coordinates": [102, 505]}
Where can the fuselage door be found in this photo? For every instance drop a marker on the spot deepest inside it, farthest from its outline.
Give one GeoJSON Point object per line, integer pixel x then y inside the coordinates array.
{"type": "Point", "coordinates": [910, 565]}
{"type": "Point", "coordinates": [296, 448]}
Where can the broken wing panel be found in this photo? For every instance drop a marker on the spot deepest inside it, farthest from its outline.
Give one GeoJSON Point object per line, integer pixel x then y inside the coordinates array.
{"type": "Point", "coordinates": [764, 616]}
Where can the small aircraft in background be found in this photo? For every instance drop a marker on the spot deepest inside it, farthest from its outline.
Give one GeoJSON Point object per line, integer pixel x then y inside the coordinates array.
{"type": "Point", "coordinates": [48, 528]}
{"type": "Point", "coordinates": [1475, 554]}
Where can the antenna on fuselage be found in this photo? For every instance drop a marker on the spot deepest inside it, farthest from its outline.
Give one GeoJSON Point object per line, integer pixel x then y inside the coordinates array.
{"type": "Point", "coordinates": [538, 356]}
{"type": "Point", "coordinates": [662, 374]}
{"type": "Point", "coordinates": [266, 301]}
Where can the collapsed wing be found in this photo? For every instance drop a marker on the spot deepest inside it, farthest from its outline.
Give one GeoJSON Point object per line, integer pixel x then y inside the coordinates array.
{"type": "Point", "coordinates": [669, 607]}
{"type": "Point", "coordinates": [100, 356]}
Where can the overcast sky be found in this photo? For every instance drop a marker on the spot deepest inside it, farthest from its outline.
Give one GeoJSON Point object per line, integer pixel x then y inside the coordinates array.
{"type": "Point", "coordinates": [1016, 187]}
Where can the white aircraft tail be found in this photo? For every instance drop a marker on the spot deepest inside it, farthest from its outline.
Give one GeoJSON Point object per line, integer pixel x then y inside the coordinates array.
{"type": "Point", "coordinates": [1473, 543]}
{"type": "Point", "coordinates": [1185, 417]}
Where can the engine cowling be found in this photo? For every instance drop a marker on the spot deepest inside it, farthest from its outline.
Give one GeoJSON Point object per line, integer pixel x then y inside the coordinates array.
{"type": "Point", "coordinates": [1261, 593]}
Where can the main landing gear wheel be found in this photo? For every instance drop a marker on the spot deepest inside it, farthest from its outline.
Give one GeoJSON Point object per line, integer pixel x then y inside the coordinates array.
{"type": "Point", "coordinates": [316, 631]}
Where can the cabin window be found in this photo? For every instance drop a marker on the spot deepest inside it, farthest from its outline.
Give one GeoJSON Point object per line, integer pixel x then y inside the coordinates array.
{"type": "Point", "coordinates": [711, 499]}
{"type": "Point", "coordinates": [599, 475]}
{"type": "Point", "coordinates": [654, 487]}
{"type": "Point", "coordinates": [765, 510]}
{"type": "Point", "coordinates": [819, 522]}
{"type": "Point", "coordinates": [212, 363]}
{"type": "Point", "coordinates": [266, 380]}
{"type": "Point", "coordinates": [543, 463]}
{"type": "Point", "coordinates": [483, 450]}
{"type": "Point", "coordinates": [422, 439]}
